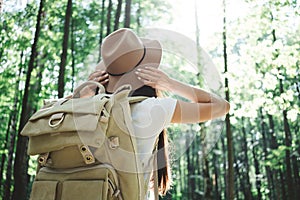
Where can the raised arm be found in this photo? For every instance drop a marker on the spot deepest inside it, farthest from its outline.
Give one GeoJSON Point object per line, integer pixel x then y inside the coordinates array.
{"type": "Point", "coordinates": [204, 105]}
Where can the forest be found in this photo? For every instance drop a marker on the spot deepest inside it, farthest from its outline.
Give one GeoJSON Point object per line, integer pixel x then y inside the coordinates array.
{"type": "Point", "coordinates": [48, 47]}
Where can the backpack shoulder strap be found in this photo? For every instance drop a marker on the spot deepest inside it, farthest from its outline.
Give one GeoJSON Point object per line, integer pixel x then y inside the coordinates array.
{"type": "Point", "coordinates": [137, 99]}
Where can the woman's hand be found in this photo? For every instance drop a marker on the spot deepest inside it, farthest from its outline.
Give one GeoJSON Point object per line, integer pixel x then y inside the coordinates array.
{"type": "Point", "coordinates": [155, 78]}
{"type": "Point", "coordinates": [99, 76]}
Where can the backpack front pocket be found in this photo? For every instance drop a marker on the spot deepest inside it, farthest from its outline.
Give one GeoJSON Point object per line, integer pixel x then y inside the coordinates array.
{"type": "Point", "coordinates": [99, 182]}
{"type": "Point", "coordinates": [45, 190]}
{"type": "Point", "coordinates": [84, 190]}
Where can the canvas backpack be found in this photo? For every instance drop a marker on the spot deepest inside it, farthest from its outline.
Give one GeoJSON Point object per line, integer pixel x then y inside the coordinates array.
{"type": "Point", "coordinates": [87, 149]}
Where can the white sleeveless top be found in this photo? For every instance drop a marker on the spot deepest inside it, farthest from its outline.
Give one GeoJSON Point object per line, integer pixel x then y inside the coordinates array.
{"type": "Point", "coordinates": [149, 118]}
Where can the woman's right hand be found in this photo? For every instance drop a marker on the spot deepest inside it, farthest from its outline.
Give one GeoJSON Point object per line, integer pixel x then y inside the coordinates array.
{"type": "Point", "coordinates": [154, 78]}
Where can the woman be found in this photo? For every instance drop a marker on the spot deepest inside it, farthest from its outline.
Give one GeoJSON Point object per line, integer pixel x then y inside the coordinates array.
{"type": "Point", "coordinates": [128, 59]}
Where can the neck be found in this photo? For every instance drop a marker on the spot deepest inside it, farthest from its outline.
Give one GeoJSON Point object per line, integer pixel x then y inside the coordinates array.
{"type": "Point", "coordinates": [110, 87]}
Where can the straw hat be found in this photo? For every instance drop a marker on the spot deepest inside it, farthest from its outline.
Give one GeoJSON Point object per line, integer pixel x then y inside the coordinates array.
{"type": "Point", "coordinates": [123, 52]}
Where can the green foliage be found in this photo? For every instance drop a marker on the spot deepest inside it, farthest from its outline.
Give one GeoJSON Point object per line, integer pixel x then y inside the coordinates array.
{"type": "Point", "coordinates": [263, 52]}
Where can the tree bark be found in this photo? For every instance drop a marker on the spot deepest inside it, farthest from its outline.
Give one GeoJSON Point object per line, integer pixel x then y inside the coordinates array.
{"type": "Point", "coordinates": [127, 14]}
{"type": "Point", "coordinates": [101, 28]}
{"type": "Point", "coordinates": [246, 178]}
{"type": "Point", "coordinates": [63, 57]}
{"type": "Point", "coordinates": [118, 14]}
{"type": "Point", "coordinates": [217, 194]}
{"type": "Point", "coordinates": [288, 136]}
{"type": "Point", "coordinates": [265, 154]}
{"type": "Point", "coordinates": [11, 132]}
{"type": "Point", "coordinates": [257, 171]}
{"type": "Point", "coordinates": [225, 167]}
{"type": "Point", "coordinates": [21, 159]}
{"type": "Point", "coordinates": [230, 172]}
{"type": "Point", "coordinates": [108, 18]}
{"type": "Point", "coordinates": [73, 53]}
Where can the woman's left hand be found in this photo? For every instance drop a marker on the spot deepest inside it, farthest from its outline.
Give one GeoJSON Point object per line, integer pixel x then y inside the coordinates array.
{"type": "Point", "coordinates": [99, 76]}
{"type": "Point", "coordinates": [155, 78]}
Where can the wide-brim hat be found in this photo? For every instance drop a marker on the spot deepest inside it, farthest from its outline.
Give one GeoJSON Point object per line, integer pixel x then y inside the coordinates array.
{"type": "Point", "coordinates": [123, 52]}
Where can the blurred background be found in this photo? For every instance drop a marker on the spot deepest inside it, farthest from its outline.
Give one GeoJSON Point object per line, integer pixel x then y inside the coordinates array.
{"type": "Point", "coordinates": [48, 47]}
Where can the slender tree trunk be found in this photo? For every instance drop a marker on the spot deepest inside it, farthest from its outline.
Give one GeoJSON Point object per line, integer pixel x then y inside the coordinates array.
{"type": "Point", "coordinates": [101, 28]}
{"type": "Point", "coordinates": [275, 173]}
{"type": "Point", "coordinates": [21, 158]}
{"type": "Point", "coordinates": [238, 179]}
{"type": "Point", "coordinates": [189, 190]}
{"type": "Point", "coordinates": [257, 172]}
{"type": "Point", "coordinates": [225, 168]}
{"type": "Point", "coordinates": [205, 169]}
{"type": "Point", "coordinates": [139, 16]}
{"type": "Point", "coordinates": [217, 194]}
{"type": "Point", "coordinates": [6, 192]}
{"type": "Point", "coordinates": [288, 137]}
{"type": "Point", "coordinates": [63, 58]}
{"type": "Point", "coordinates": [247, 193]}
{"type": "Point", "coordinates": [230, 172]}
{"type": "Point", "coordinates": [127, 14]}
{"type": "Point", "coordinates": [11, 132]}
{"type": "Point", "coordinates": [73, 53]}
{"type": "Point", "coordinates": [108, 18]}
{"type": "Point", "coordinates": [265, 154]}
{"type": "Point", "coordinates": [118, 14]}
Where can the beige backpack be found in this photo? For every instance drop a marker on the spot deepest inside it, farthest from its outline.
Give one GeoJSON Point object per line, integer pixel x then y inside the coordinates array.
{"type": "Point", "coordinates": [86, 148]}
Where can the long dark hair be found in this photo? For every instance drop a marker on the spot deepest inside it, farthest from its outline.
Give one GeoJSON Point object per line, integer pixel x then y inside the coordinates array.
{"type": "Point", "coordinates": [163, 161]}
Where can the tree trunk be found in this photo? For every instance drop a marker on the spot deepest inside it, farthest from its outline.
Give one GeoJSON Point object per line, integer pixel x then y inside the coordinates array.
{"type": "Point", "coordinates": [139, 16]}
{"type": "Point", "coordinates": [127, 14]}
{"type": "Point", "coordinates": [11, 131]}
{"type": "Point", "coordinates": [108, 18]}
{"type": "Point", "coordinates": [21, 159]}
{"type": "Point", "coordinates": [189, 190]}
{"type": "Point", "coordinates": [73, 53]}
{"type": "Point", "coordinates": [238, 179]}
{"type": "Point", "coordinates": [217, 194]}
{"type": "Point", "coordinates": [205, 169]}
{"type": "Point", "coordinates": [6, 188]}
{"type": "Point", "coordinates": [288, 136]}
{"type": "Point", "coordinates": [101, 28]}
{"type": "Point", "coordinates": [118, 14]}
{"type": "Point", "coordinates": [265, 154]}
{"type": "Point", "coordinates": [288, 139]}
{"type": "Point", "coordinates": [246, 178]}
{"type": "Point", "coordinates": [63, 58]}
{"type": "Point", "coordinates": [225, 167]}
{"type": "Point", "coordinates": [257, 172]}
{"type": "Point", "coordinates": [230, 173]}
{"type": "Point", "coordinates": [279, 184]}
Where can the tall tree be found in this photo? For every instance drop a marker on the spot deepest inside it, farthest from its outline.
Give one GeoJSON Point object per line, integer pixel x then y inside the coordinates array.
{"type": "Point", "coordinates": [118, 14]}
{"type": "Point", "coordinates": [12, 130]}
{"type": "Point", "coordinates": [108, 17]}
{"type": "Point", "coordinates": [21, 159]}
{"type": "Point", "coordinates": [230, 173]}
{"type": "Point", "coordinates": [101, 28]}
{"type": "Point", "coordinates": [63, 58]}
{"type": "Point", "coordinates": [127, 14]}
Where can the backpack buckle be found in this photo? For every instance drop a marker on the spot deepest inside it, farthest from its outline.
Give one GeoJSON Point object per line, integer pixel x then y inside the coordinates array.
{"type": "Point", "coordinates": [114, 142]}
{"type": "Point", "coordinates": [42, 159]}
{"type": "Point", "coordinates": [54, 117]}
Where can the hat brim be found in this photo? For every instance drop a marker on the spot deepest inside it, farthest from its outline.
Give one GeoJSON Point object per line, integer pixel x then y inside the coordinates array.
{"type": "Point", "coordinates": [152, 59]}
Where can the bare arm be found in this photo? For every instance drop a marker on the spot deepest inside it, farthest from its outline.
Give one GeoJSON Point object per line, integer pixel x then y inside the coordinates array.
{"type": "Point", "coordinates": [203, 106]}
